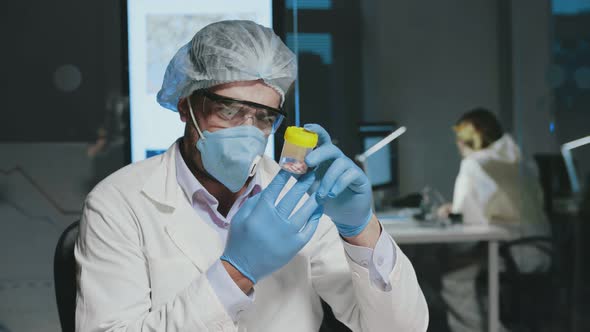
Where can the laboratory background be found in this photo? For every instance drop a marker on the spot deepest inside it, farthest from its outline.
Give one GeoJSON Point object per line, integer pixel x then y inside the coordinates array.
{"type": "Point", "coordinates": [79, 80]}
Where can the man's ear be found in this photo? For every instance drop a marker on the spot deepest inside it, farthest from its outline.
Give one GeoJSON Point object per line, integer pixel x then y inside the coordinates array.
{"type": "Point", "coordinates": [183, 109]}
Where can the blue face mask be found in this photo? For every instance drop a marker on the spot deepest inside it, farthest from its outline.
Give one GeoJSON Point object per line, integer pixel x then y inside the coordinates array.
{"type": "Point", "coordinates": [231, 155]}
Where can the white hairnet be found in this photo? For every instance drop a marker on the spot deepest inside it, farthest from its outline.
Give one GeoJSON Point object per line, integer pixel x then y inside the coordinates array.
{"type": "Point", "coordinates": [228, 51]}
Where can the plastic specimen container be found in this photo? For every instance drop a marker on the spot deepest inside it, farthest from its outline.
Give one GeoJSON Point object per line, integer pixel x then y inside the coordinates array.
{"type": "Point", "coordinates": [298, 143]}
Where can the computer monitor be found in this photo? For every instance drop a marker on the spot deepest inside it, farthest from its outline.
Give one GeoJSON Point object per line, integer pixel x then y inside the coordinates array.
{"type": "Point", "coordinates": [573, 170]}
{"type": "Point", "coordinates": [382, 166]}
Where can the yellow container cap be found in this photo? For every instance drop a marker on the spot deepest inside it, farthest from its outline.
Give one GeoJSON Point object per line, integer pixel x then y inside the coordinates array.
{"type": "Point", "coordinates": [301, 137]}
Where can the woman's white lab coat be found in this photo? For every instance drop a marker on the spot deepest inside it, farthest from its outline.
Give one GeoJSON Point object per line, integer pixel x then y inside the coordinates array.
{"type": "Point", "coordinates": [143, 253]}
{"type": "Point", "coordinates": [495, 186]}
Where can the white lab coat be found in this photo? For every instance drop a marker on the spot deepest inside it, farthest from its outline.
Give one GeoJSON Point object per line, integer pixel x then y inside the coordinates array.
{"type": "Point", "coordinates": [143, 253]}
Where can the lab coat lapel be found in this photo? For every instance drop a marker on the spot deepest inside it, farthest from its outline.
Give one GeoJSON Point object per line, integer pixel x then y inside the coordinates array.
{"type": "Point", "coordinates": [161, 186]}
{"type": "Point", "coordinates": [193, 237]}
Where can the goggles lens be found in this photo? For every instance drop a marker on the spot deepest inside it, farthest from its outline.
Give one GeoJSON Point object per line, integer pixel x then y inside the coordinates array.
{"type": "Point", "coordinates": [231, 112]}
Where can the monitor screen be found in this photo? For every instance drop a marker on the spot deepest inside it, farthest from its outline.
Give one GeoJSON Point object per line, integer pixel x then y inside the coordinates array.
{"type": "Point", "coordinates": [576, 162]}
{"type": "Point", "coordinates": [156, 30]}
{"type": "Point", "coordinates": [381, 167]}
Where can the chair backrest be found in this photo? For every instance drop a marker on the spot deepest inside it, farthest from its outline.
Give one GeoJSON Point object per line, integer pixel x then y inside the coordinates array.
{"type": "Point", "coordinates": [64, 275]}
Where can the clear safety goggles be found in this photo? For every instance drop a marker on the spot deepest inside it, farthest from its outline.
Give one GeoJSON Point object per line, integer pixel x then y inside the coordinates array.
{"type": "Point", "coordinates": [229, 112]}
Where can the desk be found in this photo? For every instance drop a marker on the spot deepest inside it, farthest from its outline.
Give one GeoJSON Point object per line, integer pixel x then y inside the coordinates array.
{"type": "Point", "coordinates": [407, 231]}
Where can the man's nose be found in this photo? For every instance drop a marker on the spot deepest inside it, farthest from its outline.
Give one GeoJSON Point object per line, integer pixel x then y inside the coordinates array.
{"type": "Point", "coordinates": [249, 119]}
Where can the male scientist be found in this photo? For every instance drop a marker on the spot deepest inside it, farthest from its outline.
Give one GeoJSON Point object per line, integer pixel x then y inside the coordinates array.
{"type": "Point", "coordinates": [212, 236]}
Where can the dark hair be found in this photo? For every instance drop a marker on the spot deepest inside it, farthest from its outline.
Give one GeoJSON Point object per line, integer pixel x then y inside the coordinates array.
{"type": "Point", "coordinates": [486, 124]}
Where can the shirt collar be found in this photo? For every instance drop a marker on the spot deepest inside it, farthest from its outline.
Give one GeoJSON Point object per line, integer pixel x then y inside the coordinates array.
{"type": "Point", "coordinates": [194, 190]}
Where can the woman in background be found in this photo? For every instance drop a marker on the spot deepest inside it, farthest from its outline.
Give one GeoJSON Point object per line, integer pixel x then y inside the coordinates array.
{"type": "Point", "coordinates": [494, 186]}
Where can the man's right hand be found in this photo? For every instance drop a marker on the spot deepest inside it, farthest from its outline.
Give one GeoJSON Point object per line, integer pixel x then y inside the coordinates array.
{"type": "Point", "coordinates": [264, 237]}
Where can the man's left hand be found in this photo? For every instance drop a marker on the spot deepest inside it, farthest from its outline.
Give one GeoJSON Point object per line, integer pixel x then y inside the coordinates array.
{"type": "Point", "coordinates": [344, 188]}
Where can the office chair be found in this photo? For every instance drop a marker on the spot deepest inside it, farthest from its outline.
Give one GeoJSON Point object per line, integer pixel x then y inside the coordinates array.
{"type": "Point", "coordinates": [527, 299]}
{"type": "Point", "coordinates": [64, 275]}
{"type": "Point", "coordinates": [529, 302]}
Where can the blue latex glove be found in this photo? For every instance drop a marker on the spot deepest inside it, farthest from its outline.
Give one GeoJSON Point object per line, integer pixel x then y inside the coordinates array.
{"type": "Point", "coordinates": [262, 237]}
{"type": "Point", "coordinates": [344, 188]}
